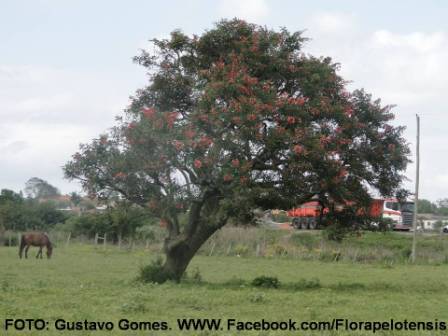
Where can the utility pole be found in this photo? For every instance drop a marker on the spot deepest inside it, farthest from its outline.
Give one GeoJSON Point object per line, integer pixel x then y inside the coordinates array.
{"type": "Point", "coordinates": [417, 173]}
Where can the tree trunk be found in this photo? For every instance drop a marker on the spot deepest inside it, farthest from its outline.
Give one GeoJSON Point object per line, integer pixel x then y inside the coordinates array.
{"type": "Point", "coordinates": [179, 255]}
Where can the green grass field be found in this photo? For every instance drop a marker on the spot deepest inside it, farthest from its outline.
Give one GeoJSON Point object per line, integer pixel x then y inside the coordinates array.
{"type": "Point", "coordinates": [86, 282]}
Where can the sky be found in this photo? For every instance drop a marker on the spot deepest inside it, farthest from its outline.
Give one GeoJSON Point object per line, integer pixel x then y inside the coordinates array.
{"type": "Point", "coordinates": [66, 69]}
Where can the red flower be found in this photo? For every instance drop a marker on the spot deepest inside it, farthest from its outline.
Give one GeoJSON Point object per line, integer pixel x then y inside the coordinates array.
{"type": "Point", "coordinates": [244, 180]}
{"type": "Point", "coordinates": [252, 117]}
{"type": "Point", "coordinates": [266, 87]}
{"type": "Point", "coordinates": [205, 141]}
{"type": "Point", "coordinates": [235, 163]}
{"type": "Point", "coordinates": [342, 172]}
{"type": "Point", "coordinates": [197, 164]}
{"type": "Point", "coordinates": [228, 178]}
{"type": "Point", "coordinates": [120, 175]}
{"type": "Point", "coordinates": [291, 120]}
{"type": "Point", "coordinates": [244, 90]}
{"type": "Point", "coordinates": [298, 149]}
{"type": "Point", "coordinates": [178, 144]}
{"type": "Point", "coordinates": [236, 120]}
{"type": "Point", "coordinates": [170, 118]}
{"type": "Point", "coordinates": [300, 101]}
{"type": "Point", "coordinates": [149, 112]}
{"type": "Point", "coordinates": [348, 111]}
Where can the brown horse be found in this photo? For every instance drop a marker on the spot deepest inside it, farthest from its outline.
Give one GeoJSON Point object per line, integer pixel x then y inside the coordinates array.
{"type": "Point", "coordinates": [39, 239]}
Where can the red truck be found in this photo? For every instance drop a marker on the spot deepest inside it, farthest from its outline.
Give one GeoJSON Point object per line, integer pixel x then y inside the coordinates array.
{"type": "Point", "coordinates": [307, 215]}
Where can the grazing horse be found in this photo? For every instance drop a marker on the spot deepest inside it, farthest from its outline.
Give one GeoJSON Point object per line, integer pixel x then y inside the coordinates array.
{"type": "Point", "coordinates": [39, 239]}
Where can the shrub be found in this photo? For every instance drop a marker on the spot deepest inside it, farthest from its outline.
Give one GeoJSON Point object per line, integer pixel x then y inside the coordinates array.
{"type": "Point", "coordinates": [154, 272]}
{"type": "Point", "coordinates": [11, 240]}
{"type": "Point", "coordinates": [266, 282]}
{"type": "Point", "coordinates": [241, 250]}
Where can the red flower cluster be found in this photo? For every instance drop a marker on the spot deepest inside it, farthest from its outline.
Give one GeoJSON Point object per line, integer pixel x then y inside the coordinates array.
{"type": "Point", "coordinates": [252, 117]}
{"type": "Point", "coordinates": [149, 112]}
{"type": "Point", "coordinates": [179, 145]}
{"type": "Point", "coordinates": [324, 140]}
{"type": "Point", "coordinates": [298, 149]}
{"type": "Point", "coordinates": [120, 175]}
{"type": "Point", "coordinates": [228, 178]}
{"type": "Point", "coordinates": [248, 80]}
{"type": "Point", "coordinates": [197, 164]}
{"type": "Point", "coordinates": [348, 111]}
{"type": "Point", "coordinates": [235, 163]}
{"type": "Point", "coordinates": [170, 118]}
{"type": "Point", "coordinates": [205, 141]}
{"type": "Point", "coordinates": [296, 101]}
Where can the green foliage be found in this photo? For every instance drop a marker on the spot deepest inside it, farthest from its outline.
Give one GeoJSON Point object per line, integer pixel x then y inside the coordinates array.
{"type": "Point", "coordinates": [266, 282]}
{"type": "Point", "coordinates": [425, 206]}
{"type": "Point", "coordinates": [11, 239]}
{"type": "Point", "coordinates": [121, 219]}
{"type": "Point", "coordinates": [18, 214]}
{"type": "Point", "coordinates": [37, 188]}
{"type": "Point", "coordinates": [154, 272]}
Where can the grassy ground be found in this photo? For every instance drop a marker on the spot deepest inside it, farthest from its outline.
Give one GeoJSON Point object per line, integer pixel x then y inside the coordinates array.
{"type": "Point", "coordinates": [83, 282]}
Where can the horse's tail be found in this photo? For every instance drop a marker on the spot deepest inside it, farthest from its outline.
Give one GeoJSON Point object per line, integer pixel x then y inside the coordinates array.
{"type": "Point", "coordinates": [22, 245]}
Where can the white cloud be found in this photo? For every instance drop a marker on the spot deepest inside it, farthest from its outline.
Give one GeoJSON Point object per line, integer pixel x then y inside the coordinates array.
{"type": "Point", "coordinates": [250, 10]}
{"type": "Point", "coordinates": [46, 113]}
{"type": "Point", "coordinates": [405, 69]}
{"type": "Point", "coordinates": [333, 23]}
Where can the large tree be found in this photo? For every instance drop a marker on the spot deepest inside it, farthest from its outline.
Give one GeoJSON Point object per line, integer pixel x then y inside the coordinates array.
{"type": "Point", "coordinates": [35, 187]}
{"type": "Point", "coordinates": [235, 119]}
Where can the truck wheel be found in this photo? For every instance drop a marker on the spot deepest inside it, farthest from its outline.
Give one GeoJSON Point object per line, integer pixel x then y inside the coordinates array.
{"type": "Point", "coordinates": [304, 224]}
{"type": "Point", "coordinates": [313, 224]}
{"type": "Point", "coordinates": [296, 223]}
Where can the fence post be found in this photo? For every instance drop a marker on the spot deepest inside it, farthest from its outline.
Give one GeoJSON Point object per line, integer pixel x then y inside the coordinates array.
{"type": "Point", "coordinates": [68, 239]}
{"type": "Point", "coordinates": [96, 238]}
{"type": "Point", "coordinates": [229, 248]}
{"type": "Point", "coordinates": [211, 250]}
{"type": "Point", "coordinates": [119, 241]}
{"type": "Point", "coordinates": [104, 242]}
{"type": "Point", "coordinates": [257, 250]}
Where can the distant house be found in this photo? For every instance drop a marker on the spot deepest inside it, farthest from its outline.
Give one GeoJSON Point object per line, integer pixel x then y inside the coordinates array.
{"type": "Point", "coordinates": [431, 221]}
{"type": "Point", "coordinates": [64, 203]}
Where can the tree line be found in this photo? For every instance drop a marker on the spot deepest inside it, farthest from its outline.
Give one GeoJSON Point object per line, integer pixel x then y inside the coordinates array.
{"type": "Point", "coordinates": [41, 209]}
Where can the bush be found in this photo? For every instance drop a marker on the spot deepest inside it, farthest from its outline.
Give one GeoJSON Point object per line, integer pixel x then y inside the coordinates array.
{"type": "Point", "coordinates": [154, 272]}
{"type": "Point", "coordinates": [241, 250]}
{"type": "Point", "coordinates": [11, 239]}
{"type": "Point", "coordinates": [266, 282]}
